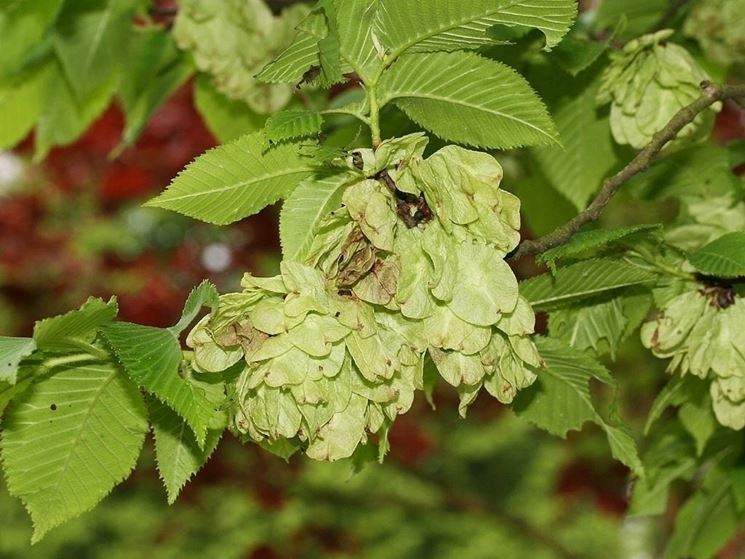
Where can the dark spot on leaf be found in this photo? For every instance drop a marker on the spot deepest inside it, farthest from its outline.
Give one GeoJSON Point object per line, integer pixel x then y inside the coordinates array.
{"type": "Point", "coordinates": [53, 407]}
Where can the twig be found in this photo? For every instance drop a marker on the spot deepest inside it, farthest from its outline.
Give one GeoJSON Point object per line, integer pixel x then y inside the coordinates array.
{"type": "Point", "coordinates": [711, 94]}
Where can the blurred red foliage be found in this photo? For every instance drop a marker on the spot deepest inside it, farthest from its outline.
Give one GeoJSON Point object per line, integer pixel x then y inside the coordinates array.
{"type": "Point", "coordinates": [41, 273]}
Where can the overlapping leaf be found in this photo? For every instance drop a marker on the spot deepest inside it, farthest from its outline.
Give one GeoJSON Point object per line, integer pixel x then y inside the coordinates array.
{"type": "Point", "coordinates": [12, 352]}
{"type": "Point", "coordinates": [64, 333]}
{"type": "Point", "coordinates": [177, 453]}
{"type": "Point", "coordinates": [582, 280]}
{"type": "Point", "coordinates": [302, 54]}
{"type": "Point", "coordinates": [437, 25]}
{"type": "Point", "coordinates": [304, 209]}
{"type": "Point", "coordinates": [292, 124]}
{"type": "Point", "coordinates": [585, 241]}
{"type": "Point", "coordinates": [355, 20]}
{"type": "Point", "coordinates": [235, 180]}
{"type": "Point", "coordinates": [152, 358]}
{"type": "Point", "coordinates": [724, 257]}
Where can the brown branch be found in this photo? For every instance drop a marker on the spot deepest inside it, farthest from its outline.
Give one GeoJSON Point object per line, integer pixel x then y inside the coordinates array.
{"type": "Point", "coordinates": [711, 94]}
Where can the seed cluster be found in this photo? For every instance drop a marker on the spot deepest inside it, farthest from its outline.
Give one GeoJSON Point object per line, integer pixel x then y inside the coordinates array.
{"type": "Point", "coordinates": [411, 265]}
{"type": "Point", "coordinates": [647, 83]}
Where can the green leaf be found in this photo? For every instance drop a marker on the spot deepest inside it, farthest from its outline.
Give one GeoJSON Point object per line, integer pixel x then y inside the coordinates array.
{"type": "Point", "coordinates": [587, 154]}
{"type": "Point", "coordinates": [284, 448]}
{"type": "Point", "coordinates": [296, 60]}
{"type": "Point", "coordinates": [291, 124]}
{"type": "Point", "coordinates": [69, 439]}
{"type": "Point", "coordinates": [304, 209]}
{"type": "Point", "coordinates": [448, 25]}
{"type": "Point", "coordinates": [577, 52]}
{"type": "Point", "coordinates": [707, 520]}
{"type": "Point", "coordinates": [355, 20]}
{"type": "Point", "coordinates": [177, 453]}
{"type": "Point", "coordinates": [65, 333]}
{"type": "Point", "coordinates": [702, 169]}
{"type": "Point", "coordinates": [152, 358]}
{"type": "Point", "coordinates": [90, 38]}
{"type": "Point", "coordinates": [559, 401]}
{"type": "Point", "coordinates": [155, 69]}
{"type": "Point", "coordinates": [203, 295]}
{"type": "Point", "coordinates": [12, 352]}
{"type": "Point", "coordinates": [226, 119]}
{"type": "Point", "coordinates": [585, 241]}
{"type": "Point", "coordinates": [23, 26]}
{"type": "Point", "coordinates": [235, 180]}
{"type": "Point", "coordinates": [542, 207]}
{"type": "Point", "coordinates": [465, 98]}
{"type": "Point", "coordinates": [699, 420]}
{"type": "Point", "coordinates": [677, 391]}
{"type": "Point", "coordinates": [670, 457]}
{"type": "Point", "coordinates": [21, 102]}
{"type": "Point", "coordinates": [724, 257]}
{"type": "Point", "coordinates": [582, 280]}
{"type": "Point", "coordinates": [64, 116]}
{"type": "Point", "coordinates": [9, 392]}
{"type": "Point", "coordinates": [600, 326]}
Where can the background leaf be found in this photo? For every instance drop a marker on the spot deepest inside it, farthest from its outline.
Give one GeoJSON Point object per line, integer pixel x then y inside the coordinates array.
{"type": "Point", "coordinates": [21, 102]}
{"type": "Point", "coordinates": [23, 26]}
{"type": "Point", "coordinates": [702, 169]}
{"type": "Point", "coordinates": [707, 520]}
{"type": "Point", "coordinates": [226, 119]}
{"type": "Point", "coordinates": [90, 38]}
{"type": "Point", "coordinates": [587, 154]}
{"type": "Point", "coordinates": [66, 115]}
{"type": "Point", "coordinates": [154, 69]}
{"type": "Point", "coordinates": [560, 400]}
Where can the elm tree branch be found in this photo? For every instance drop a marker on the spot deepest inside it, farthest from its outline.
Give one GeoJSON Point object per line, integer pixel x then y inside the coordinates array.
{"type": "Point", "coordinates": [711, 93]}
